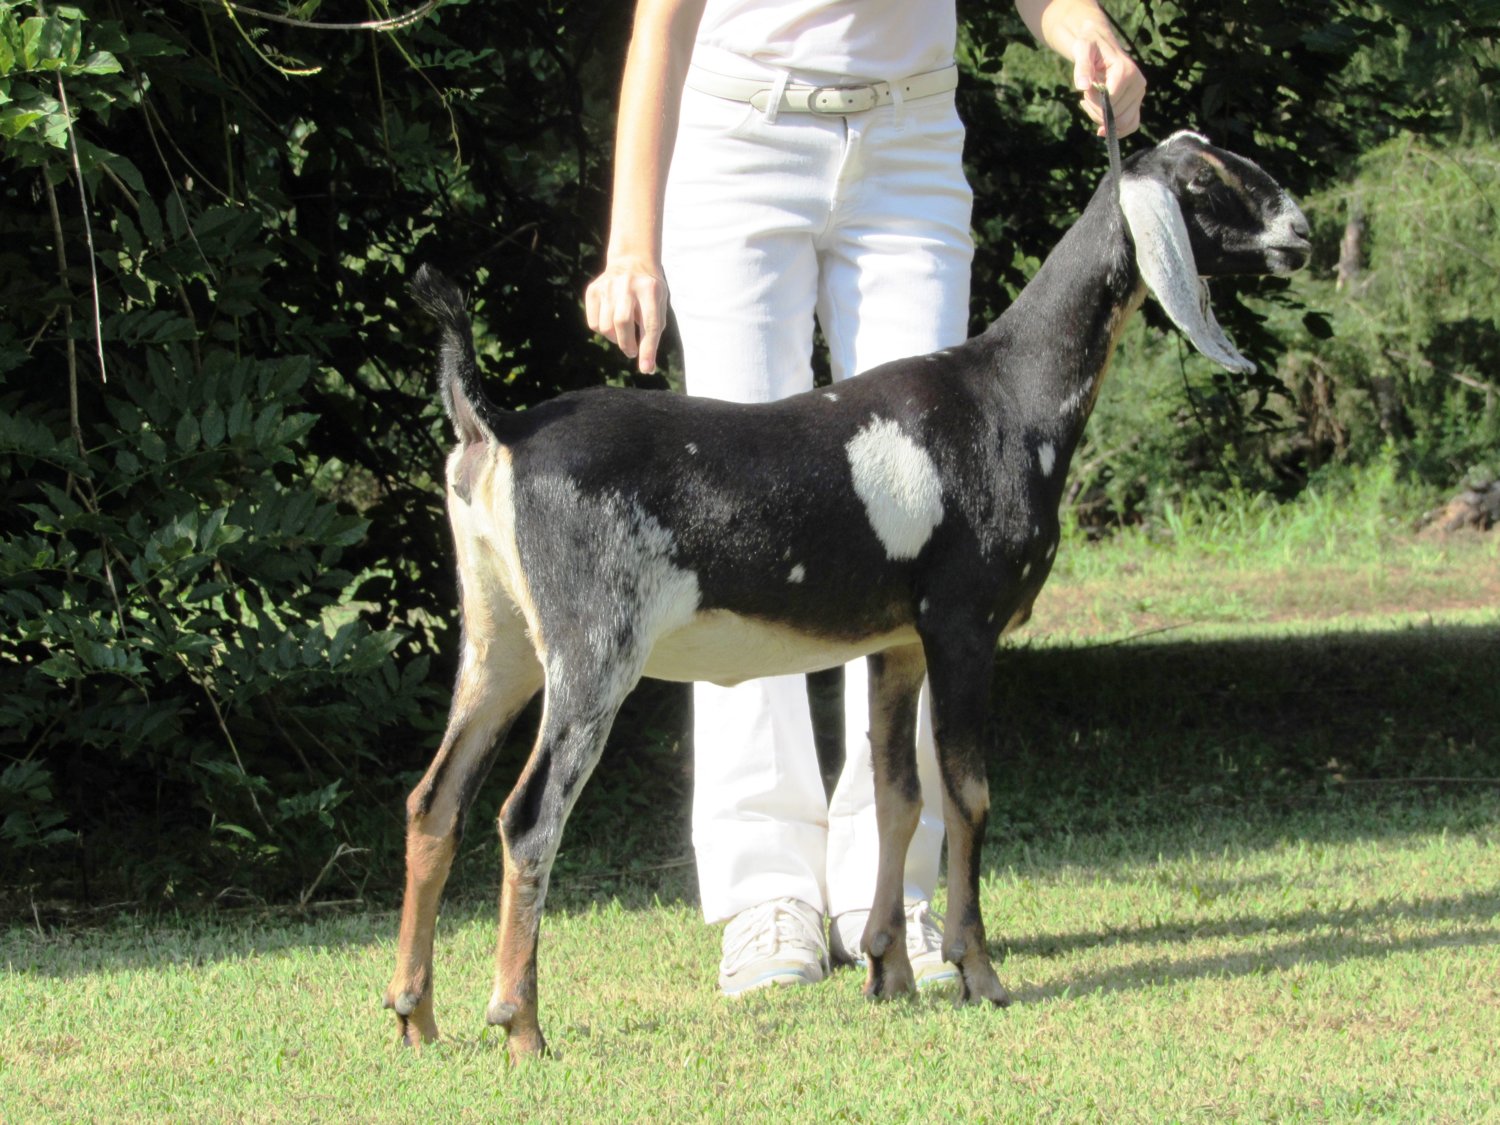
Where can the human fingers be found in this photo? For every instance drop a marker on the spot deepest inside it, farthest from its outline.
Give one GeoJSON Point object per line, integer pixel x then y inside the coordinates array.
{"type": "Point", "coordinates": [651, 299]}
{"type": "Point", "coordinates": [1101, 62]}
{"type": "Point", "coordinates": [594, 298]}
{"type": "Point", "coordinates": [1127, 89]}
{"type": "Point", "coordinates": [1088, 71]}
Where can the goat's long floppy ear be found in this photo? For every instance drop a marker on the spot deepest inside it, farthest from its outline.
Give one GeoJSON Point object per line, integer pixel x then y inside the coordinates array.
{"type": "Point", "coordinates": [1165, 258]}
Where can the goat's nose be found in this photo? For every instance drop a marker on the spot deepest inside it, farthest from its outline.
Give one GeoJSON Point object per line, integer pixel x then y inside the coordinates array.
{"type": "Point", "coordinates": [1300, 227]}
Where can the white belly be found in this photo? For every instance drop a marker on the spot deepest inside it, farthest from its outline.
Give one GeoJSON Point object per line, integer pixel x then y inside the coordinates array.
{"type": "Point", "coordinates": [726, 649]}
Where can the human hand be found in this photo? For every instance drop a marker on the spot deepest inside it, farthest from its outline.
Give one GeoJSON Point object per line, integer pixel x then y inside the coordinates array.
{"type": "Point", "coordinates": [627, 305]}
{"type": "Point", "coordinates": [1098, 59]}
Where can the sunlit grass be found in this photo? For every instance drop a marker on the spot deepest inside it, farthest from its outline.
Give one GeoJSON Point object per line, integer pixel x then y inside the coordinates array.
{"type": "Point", "coordinates": [1308, 967]}
{"type": "Point", "coordinates": [1344, 550]}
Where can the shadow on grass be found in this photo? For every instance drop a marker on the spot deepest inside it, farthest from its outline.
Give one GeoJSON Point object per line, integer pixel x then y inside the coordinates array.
{"type": "Point", "coordinates": [1105, 755]}
{"type": "Point", "coordinates": [1326, 737]}
{"type": "Point", "coordinates": [1475, 906]}
{"type": "Point", "coordinates": [1354, 934]}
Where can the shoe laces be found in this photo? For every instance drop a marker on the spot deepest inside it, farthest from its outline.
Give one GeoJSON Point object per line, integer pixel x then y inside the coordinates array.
{"type": "Point", "coordinates": [923, 929]}
{"type": "Point", "coordinates": [763, 930]}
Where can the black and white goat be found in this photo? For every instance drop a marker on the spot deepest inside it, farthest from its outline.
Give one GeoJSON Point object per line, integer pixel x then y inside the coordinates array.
{"type": "Point", "coordinates": [908, 515]}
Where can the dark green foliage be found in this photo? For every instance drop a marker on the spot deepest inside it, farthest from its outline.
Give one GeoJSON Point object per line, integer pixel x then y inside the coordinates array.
{"type": "Point", "coordinates": [225, 590]}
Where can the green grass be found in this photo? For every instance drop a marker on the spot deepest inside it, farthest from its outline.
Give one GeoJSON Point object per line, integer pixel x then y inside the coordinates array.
{"type": "Point", "coordinates": [1244, 869]}
{"type": "Point", "coordinates": [1327, 963]}
{"type": "Point", "coordinates": [1343, 551]}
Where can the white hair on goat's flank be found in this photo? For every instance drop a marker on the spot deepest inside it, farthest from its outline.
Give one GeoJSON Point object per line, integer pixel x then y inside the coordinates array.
{"type": "Point", "coordinates": [1046, 457]}
{"type": "Point", "coordinates": [899, 486]}
{"type": "Point", "coordinates": [639, 592]}
{"type": "Point", "coordinates": [1164, 256]}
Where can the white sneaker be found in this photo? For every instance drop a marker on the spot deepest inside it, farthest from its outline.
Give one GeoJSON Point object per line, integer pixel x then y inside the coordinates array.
{"type": "Point", "coordinates": [924, 942]}
{"type": "Point", "coordinates": [777, 942]}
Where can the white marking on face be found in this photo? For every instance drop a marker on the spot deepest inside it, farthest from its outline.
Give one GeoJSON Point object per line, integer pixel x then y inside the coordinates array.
{"type": "Point", "coordinates": [1046, 457]}
{"type": "Point", "coordinates": [1052, 550]}
{"type": "Point", "coordinates": [899, 486]}
{"type": "Point", "coordinates": [922, 606]}
{"type": "Point", "coordinates": [1025, 572]}
{"type": "Point", "coordinates": [692, 448]}
{"type": "Point", "coordinates": [797, 574]}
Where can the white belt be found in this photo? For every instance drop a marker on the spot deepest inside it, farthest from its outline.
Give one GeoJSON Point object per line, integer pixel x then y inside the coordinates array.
{"type": "Point", "coordinates": [798, 97]}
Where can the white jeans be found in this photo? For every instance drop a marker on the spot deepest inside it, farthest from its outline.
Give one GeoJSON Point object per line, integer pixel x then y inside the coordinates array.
{"type": "Point", "coordinates": [864, 221]}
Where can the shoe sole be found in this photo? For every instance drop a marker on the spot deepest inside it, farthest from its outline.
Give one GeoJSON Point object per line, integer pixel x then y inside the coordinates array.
{"type": "Point", "coordinates": [769, 980]}
{"type": "Point", "coordinates": [927, 980]}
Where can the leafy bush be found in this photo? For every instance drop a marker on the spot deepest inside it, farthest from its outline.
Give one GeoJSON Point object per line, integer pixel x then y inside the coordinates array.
{"type": "Point", "coordinates": [187, 680]}
{"type": "Point", "coordinates": [1415, 354]}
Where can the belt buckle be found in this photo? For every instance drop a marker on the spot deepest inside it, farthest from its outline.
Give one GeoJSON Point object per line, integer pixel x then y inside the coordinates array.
{"type": "Point", "coordinates": [838, 100]}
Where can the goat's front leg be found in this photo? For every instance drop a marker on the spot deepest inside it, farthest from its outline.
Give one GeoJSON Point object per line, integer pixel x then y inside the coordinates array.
{"type": "Point", "coordinates": [960, 663]}
{"type": "Point", "coordinates": [531, 823]}
{"type": "Point", "coordinates": [494, 685]}
{"type": "Point", "coordinates": [895, 689]}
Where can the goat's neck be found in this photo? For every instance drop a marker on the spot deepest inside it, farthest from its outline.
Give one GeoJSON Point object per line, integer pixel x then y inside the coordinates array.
{"type": "Point", "coordinates": [1062, 329]}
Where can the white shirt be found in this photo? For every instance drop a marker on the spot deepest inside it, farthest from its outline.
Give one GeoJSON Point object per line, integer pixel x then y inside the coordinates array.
{"type": "Point", "coordinates": [825, 40]}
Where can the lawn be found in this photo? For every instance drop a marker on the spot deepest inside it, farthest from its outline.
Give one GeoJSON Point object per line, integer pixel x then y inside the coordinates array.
{"type": "Point", "coordinates": [1244, 864]}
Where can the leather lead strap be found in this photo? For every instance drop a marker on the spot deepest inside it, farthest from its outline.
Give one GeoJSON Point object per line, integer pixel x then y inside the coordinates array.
{"type": "Point", "coordinates": [1111, 138]}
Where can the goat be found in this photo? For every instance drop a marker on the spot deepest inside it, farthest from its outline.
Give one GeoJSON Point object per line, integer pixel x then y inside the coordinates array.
{"type": "Point", "coordinates": [909, 514]}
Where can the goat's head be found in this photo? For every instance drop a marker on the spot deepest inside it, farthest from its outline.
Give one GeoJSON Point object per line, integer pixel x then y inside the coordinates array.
{"type": "Point", "coordinates": [1197, 211]}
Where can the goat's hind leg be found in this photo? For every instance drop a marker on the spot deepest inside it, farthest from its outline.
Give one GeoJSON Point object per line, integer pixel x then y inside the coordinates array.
{"type": "Point", "coordinates": [579, 710]}
{"type": "Point", "coordinates": [497, 679]}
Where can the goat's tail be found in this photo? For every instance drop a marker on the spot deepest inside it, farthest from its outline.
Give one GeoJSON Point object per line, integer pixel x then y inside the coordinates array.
{"type": "Point", "coordinates": [470, 411]}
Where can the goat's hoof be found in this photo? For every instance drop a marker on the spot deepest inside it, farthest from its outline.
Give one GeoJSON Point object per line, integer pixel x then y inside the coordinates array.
{"type": "Point", "coordinates": [525, 1047]}
{"type": "Point", "coordinates": [414, 1022]}
{"type": "Point", "coordinates": [978, 986]}
{"type": "Point", "coordinates": [500, 1013]}
{"type": "Point", "coordinates": [404, 1004]}
{"type": "Point", "coordinates": [416, 1028]}
{"type": "Point", "coordinates": [523, 1038]}
{"type": "Point", "coordinates": [889, 979]}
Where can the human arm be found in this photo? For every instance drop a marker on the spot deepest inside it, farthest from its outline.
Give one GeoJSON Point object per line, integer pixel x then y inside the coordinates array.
{"type": "Point", "coordinates": [1079, 31]}
{"type": "Point", "coordinates": [627, 302]}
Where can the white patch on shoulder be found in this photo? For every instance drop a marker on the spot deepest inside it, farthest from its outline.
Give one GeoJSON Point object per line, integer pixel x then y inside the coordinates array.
{"type": "Point", "coordinates": [1025, 572]}
{"type": "Point", "coordinates": [692, 448]}
{"type": "Point", "coordinates": [922, 606]}
{"type": "Point", "coordinates": [1046, 457]}
{"type": "Point", "coordinates": [1052, 550]}
{"type": "Point", "coordinates": [830, 396]}
{"type": "Point", "coordinates": [899, 486]}
{"type": "Point", "coordinates": [798, 573]}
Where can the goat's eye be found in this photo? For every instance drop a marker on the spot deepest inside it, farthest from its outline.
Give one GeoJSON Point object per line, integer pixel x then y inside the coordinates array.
{"type": "Point", "coordinates": [1202, 180]}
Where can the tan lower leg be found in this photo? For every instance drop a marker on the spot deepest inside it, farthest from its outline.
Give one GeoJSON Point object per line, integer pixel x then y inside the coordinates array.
{"type": "Point", "coordinates": [428, 859]}
{"type": "Point", "coordinates": [513, 1003]}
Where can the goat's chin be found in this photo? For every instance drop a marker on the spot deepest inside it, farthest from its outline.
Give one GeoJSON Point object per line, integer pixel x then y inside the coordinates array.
{"type": "Point", "coordinates": [1282, 260]}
